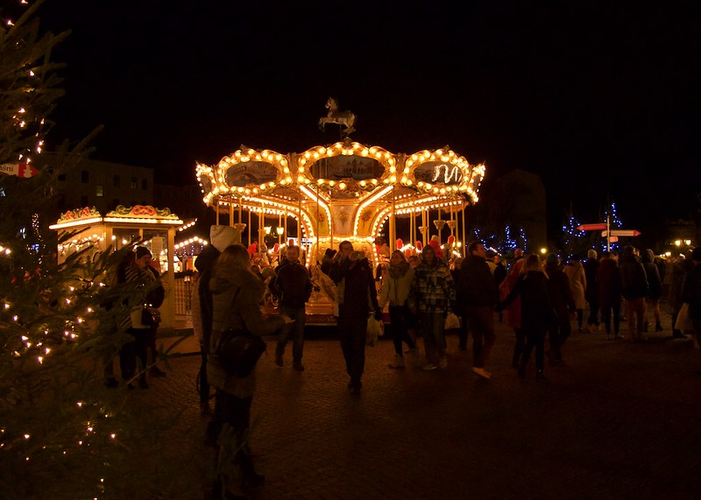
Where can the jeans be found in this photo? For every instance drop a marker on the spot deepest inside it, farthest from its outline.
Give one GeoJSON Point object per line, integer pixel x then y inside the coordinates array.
{"type": "Point", "coordinates": [481, 320]}
{"type": "Point", "coordinates": [296, 332]}
{"type": "Point", "coordinates": [559, 334]}
{"type": "Point", "coordinates": [431, 325]}
{"type": "Point", "coordinates": [399, 324]}
{"type": "Point", "coordinates": [203, 384]}
{"type": "Point", "coordinates": [593, 312]}
{"type": "Point", "coordinates": [606, 313]}
{"type": "Point", "coordinates": [132, 351]}
{"type": "Point", "coordinates": [233, 415]}
{"type": "Point", "coordinates": [352, 332]}
{"type": "Point", "coordinates": [535, 338]}
{"type": "Point", "coordinates": [635, 314]}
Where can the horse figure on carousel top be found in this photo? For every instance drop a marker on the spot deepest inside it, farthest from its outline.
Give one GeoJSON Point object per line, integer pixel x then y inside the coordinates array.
{"type": "Point", "coordinates": [344, 118]}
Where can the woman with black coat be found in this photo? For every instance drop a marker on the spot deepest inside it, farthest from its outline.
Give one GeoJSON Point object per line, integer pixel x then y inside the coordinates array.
{"type": "Point", "coordinates": [537, 312]}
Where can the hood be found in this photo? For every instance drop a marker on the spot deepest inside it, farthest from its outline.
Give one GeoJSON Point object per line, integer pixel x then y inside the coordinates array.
{"type": "Point", "coordinates": [647, 256]}
{"type": "Point", "coordinates": [223, 236]}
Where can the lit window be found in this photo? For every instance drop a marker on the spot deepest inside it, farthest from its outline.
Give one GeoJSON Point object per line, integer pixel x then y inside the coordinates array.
{"type": "Point", "coordinates": [98, 190]}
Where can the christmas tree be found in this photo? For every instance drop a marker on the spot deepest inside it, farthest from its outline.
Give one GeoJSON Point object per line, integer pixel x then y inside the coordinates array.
{"type": "Point", "coordinates": [63, 432]}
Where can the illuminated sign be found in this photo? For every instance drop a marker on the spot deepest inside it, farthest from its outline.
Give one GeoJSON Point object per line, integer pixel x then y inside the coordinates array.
{"type": "Point", "coordinates": [435, 172]}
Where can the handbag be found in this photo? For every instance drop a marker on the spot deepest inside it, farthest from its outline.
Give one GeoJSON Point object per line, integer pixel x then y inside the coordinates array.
{"type": "Point", "coordinates": [683, 321]}
{"type": "Point", "coordinates": [452, 322]}
{"type": "Point", "coordinates": [239, 351]}
{"type": "Point", "coordinates": [375, 330]}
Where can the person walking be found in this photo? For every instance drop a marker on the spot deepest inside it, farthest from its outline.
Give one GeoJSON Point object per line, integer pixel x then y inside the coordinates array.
{"type": "Point", "coordinates": [591, 294]}
{"type": "Point", "coordinates": [634, 288]}
{"type": "Point", "coordinates": [691, 293]}
{"type": "Point", "coordinates": [578, 283]}
{"type": "Point", "coordinates": [652, 300]}
{"type": "Point", "coordinates": [355, 292]}
{"type": "Point", "coordinates": [609, 278]}
{"type": "Point", "coordinates": [293, 287]}
{"type": "Point", "coordinates": [562, 300]}
{"type": "Point", "coordinates": [432, 296]}
{"type": "Point", "coordinates": [513, 311]}
{"type": "Point", "coordinates": [537, 313]}
{"type": "Point", "coordinates": [236, 296]}
{"type": "Point", "coordinates": [396, 286]}
{"type": "Point", "coordinates": [478, 292]}
{"type": "Point", "coordinates": [680, 267]}
{"type": "Point", "coordinates": [220, 237]}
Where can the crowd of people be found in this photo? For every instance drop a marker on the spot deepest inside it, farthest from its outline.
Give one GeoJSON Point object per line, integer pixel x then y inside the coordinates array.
{"type": "Point", "coordinates": [541, 298]}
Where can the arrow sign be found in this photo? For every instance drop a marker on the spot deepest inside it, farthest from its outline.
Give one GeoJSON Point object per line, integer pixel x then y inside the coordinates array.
{"type": "Point", "coordinates": [621, 232]}
{"type": "Point", "coordinates": [592, 227]}
{"type": "Point", "coordinates": [19, 169]}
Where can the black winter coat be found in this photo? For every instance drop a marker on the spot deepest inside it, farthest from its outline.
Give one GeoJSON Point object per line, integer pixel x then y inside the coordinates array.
{"type": "Point", "coordinates": [537, 312]}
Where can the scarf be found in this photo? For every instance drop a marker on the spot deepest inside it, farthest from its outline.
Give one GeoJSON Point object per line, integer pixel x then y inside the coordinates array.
{"type": "Point", "coordinates": [399, 270]}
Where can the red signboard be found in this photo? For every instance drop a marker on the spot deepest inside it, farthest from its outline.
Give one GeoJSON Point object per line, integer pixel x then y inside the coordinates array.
{"type": "Point", "coordinates": [592, 227]}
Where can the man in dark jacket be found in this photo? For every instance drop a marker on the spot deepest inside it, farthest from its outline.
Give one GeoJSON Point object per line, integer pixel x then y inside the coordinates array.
{"type": "Point", "coordinates": [634, 288]}
{"type": "Point", "coordinates": [691, 292]}
{"type": "Point", "coordinates": [478, 292]}
{"type": "Point", "coordinates": [652, 300]}
{"type": "Point", "coordinates": [292, 285]}
{"type": "Point", "coordinates": [562, 300]}
{"type": "Point", "coordinates": [591, 293]}
{"type": "Point", "coordinates": [355, 290]}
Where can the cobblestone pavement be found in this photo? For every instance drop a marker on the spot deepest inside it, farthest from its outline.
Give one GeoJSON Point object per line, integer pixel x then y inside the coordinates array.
{"type": "Point", "coordinates": [618, 420]}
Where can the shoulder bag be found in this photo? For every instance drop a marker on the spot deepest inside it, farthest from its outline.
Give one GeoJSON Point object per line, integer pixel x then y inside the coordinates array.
{"type": "Point", "coordinates": [240, 350]}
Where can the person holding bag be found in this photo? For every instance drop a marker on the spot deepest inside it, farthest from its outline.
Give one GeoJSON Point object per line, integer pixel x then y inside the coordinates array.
{"type": "Point", "coordinates": [236, 296]}
{"type": "Point", "coordinates": [356, 297]}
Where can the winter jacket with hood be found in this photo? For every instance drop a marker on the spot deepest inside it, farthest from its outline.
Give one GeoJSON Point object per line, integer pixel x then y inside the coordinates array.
{"type": "Point", "coordinates": [432, 289]}
{"type": "Point", "coordinates": [236, 310]}
{"type": "Point", "coordinates": [609, 279]}
{"type": "Point", "coordinates": [653, 274]}
{"type": "Point", "coordinates": [634, 284]}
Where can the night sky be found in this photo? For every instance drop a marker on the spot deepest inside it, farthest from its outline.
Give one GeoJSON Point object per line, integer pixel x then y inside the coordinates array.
{"type": "Point", "coordinates": [598, 98]}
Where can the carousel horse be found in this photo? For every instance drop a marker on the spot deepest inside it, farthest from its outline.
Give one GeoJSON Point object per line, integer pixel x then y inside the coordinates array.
{"type": "Point", "coordinates": [344, 118]}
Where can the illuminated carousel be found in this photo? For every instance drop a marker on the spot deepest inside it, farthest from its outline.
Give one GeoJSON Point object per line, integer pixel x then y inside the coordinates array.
{"type": "Point", "coordinates": [344, 191]}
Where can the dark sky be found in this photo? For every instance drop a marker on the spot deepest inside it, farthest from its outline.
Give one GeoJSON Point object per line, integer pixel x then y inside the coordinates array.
{"type": "Point", "coordinates": [598, 98]}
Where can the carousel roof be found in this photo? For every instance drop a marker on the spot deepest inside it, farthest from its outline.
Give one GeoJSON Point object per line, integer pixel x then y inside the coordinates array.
{"type": "Point", "coordinates": [344, 172]}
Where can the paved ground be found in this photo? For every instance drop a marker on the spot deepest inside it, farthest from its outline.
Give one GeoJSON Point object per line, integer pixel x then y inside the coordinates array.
{"type": "Point", "coordinates": [619, 420]}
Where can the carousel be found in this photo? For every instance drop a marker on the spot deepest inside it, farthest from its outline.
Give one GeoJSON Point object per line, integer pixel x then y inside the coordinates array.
{"type": "Point", "coordinates": [343, 191]}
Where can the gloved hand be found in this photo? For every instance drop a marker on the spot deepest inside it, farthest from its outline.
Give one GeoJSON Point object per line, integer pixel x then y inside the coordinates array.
{"type": "Point", "coordinates": [378, 314]}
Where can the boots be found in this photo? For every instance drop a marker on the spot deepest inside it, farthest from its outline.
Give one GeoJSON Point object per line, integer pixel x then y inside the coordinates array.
{"type": "Point", "coordinates": [398, 362]}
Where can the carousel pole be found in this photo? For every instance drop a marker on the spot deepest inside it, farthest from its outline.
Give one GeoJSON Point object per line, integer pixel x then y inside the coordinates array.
{"type": "Point", "coordinates": [216, 210]}
{"type": "Point", "coordinates": [249, 227]}
{"type": "Point", "coordinates": [231, 213]}
{"type": "Point", "coordinates": [464, 234]}
{"type": "Point", "coordinates": [393, 222]}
